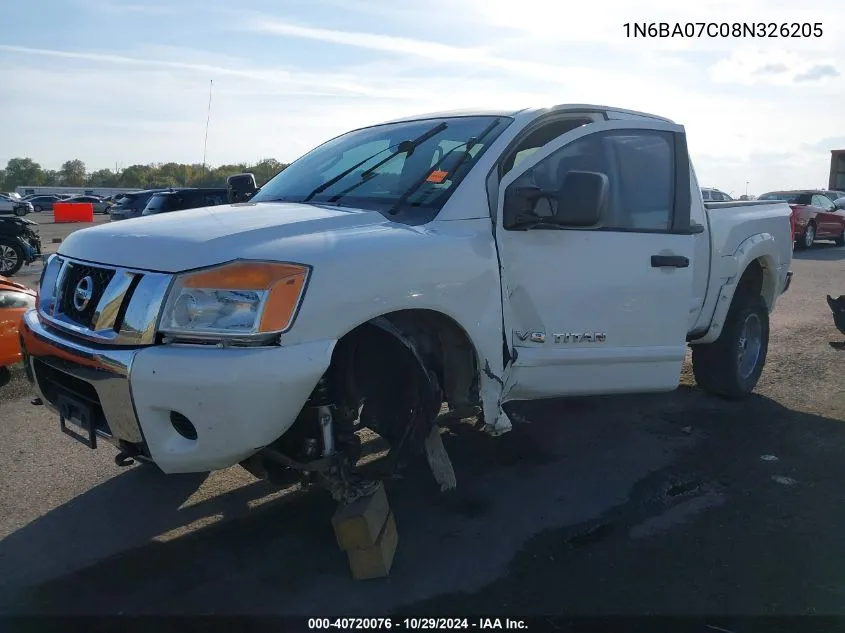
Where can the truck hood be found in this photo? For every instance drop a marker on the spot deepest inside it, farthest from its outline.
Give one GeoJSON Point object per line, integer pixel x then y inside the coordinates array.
{"type": "Point", "coordinates": [183, 240]}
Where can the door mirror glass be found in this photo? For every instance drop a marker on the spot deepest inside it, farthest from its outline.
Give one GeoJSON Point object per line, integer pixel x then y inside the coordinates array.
{"type": "Point", "coordinates": [581, 202]}
{"type": "Point", "coordinates": [582, 199]}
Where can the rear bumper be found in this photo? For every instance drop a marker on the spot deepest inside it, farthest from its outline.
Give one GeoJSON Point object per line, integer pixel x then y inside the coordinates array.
{"type": "Point", "coordinates": [238, 399]}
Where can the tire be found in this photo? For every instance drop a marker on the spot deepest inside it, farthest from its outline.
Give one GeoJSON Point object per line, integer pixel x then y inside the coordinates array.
{"type": "Point", "coordinates": [37, 208]}
{"type": "Point", "coordinates": [21, 211]}
{"type": "Point", "coordinates": [730, 366]}
{"type": "Point", "coordinates": [840, 241]}
{"type": "Point", "coordinates": [807, 239]}
{"type": "Point", "coordinates": [11, 257]}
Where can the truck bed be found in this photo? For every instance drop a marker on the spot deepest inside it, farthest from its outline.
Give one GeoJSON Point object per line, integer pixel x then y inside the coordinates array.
{"type": "Point", "coordinates": [731, 223]}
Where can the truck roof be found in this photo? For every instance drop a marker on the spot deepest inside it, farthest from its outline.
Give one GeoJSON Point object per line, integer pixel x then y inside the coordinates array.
{"type": "Point", "coordinates": [536, 110]}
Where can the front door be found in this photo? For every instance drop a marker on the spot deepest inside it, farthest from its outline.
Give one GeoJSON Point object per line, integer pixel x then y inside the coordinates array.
{"type": "Point", "coordinates": [602, 309]}
{"type": "Point", "coordinates": [829, 223]}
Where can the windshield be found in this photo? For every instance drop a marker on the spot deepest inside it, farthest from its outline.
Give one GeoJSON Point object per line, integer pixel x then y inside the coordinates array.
{"type": "Point", "coordinates": [395, 168]}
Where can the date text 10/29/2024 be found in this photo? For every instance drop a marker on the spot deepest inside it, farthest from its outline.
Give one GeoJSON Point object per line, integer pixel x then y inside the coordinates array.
{"type": "Point", "coordinates": [724, 29]}
{"type": "Point", "coordinates": [417, 624]}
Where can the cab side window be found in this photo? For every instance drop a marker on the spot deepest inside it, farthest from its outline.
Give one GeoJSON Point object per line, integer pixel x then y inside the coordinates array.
{"type": "Point", "coordinates": [639, 165]}
{"type": "Point", "coordinates": [538, 138]}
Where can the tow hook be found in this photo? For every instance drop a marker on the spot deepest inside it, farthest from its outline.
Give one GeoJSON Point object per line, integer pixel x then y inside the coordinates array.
{"type": "Point", "coordinates": [124, 458]}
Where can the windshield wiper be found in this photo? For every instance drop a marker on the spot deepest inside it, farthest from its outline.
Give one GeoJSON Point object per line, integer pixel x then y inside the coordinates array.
{"type": "Point", "coordinates": [468, 145]}
{"type": "Point", "coordinates": [404, 146]}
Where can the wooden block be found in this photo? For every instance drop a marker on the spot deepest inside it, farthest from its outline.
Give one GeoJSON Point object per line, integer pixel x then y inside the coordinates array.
{"type": "Point", "coordinates": [375, 561]}
{"type": "Point", "coordinates": [358, 525]}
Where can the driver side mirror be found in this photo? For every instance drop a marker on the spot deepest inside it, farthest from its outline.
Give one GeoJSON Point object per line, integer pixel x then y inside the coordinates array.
{"type": "Point", "coordinates": [581, 202]}
{"type": "Point", "coordinates": [240, 187]}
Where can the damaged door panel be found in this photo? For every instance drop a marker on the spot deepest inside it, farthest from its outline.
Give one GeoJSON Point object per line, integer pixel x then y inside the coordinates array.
{"type": "Point", "coordinates": [580, 322]}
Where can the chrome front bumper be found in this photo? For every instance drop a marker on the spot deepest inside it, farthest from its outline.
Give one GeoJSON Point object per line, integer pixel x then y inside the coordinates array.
{"type": "Point", "coordinates": [55, 365]}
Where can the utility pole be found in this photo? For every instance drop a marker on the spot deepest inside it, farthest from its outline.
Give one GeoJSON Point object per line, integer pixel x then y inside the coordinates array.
{"type": "Point", "coordinates": [207, 120]}
{"type": "Point", "coordinates": [746, 189]}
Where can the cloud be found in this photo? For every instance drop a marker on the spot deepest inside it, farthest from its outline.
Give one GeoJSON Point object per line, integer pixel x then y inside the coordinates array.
{"type": "Point", "coordinates": [327, 83]}
{"type": "Point", "coordinates": [819, 71]}
{"type": "Point", "coordinates": [750, 66]}
{"type": "Point", "coordinates": [771, 69]}
{"type": "Point", "coordinates": [119, 7]}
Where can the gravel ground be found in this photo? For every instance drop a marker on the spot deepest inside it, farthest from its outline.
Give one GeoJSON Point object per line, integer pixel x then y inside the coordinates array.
{"type": "Point", "coordinates": [674, 503]}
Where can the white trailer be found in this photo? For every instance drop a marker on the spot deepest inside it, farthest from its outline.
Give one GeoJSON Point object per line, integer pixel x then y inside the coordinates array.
{"type": "Point", "coordinates": [26, 190]}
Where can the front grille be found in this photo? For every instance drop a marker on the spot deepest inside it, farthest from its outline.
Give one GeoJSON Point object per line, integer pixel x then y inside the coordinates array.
{"type": "Point", "coordinates": [100, 278]}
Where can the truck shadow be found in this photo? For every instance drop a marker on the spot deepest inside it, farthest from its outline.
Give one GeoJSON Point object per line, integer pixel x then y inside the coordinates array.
{"type": "Point", "coordinates": [821, 252]}
{"type": "Point", "coordinates": [128, 545]}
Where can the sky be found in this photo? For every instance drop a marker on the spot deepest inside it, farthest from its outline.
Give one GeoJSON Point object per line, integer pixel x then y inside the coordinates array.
{"type": "Point", "coordinates": [117, 82]}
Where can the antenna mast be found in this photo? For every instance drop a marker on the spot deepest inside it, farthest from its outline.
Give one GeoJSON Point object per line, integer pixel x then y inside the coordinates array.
{"type": "Point", "coordinates": [207, 120]}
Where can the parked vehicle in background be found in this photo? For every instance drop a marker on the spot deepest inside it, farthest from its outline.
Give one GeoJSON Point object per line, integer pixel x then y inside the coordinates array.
{"type": "Point", "coordinates": [187, 198]}
{"type": "Point", "coordinates": [15, 207]}
{"type": "Point", "coordinates": [15, 299]}
{"type": "Point", "coordinates": [20, 244]}
{"type": "Point", "coordinates": [131, 205]}
{"type": "Point", "coordinates": [100, 205]}
{"type": "Point", "coordinates": [11, 195]}
{"type": "Point", "coordinates": [834, 195]}
{"type": "Point", "coordinates": [814, 216]}
{"type": "Point", "coordinates": [710, 194]}
{"type": "Point", "coordinates": [398, 267]}
{"type": "Point", "coordinates": [42, 203]}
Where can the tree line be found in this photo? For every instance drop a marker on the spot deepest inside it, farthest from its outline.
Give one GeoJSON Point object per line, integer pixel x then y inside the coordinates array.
{"type": "Point", "coordinates": [73, 173]}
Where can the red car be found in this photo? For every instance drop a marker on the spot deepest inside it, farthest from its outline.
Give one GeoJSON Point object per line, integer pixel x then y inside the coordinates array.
{"type": "Point", "coordinates": [814, 216]}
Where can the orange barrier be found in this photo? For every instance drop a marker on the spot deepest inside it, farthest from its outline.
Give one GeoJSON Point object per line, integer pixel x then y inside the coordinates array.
{"type": "Point", "coordinates": [73, 212]}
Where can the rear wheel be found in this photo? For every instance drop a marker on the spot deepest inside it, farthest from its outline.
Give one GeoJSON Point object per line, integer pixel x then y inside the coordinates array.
{"type": "Point", "coordinates": [840, 241]}
{"type": "Point", "coordinates": [11, 257]}
{"type": "Point", "coordinates": [37, 208]}
{"type": "Point", "coordinates": [731, 366]}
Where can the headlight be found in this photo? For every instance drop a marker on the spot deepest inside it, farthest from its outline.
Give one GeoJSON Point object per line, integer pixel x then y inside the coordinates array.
{"type": "Point", "coordinates": [15, 299]}
{"type": "Point", "coordinates": [239, 298]}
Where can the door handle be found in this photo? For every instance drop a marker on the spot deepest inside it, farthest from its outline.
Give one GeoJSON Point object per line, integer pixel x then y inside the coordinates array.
{"type": "Point", "coordinates": [669, 261]}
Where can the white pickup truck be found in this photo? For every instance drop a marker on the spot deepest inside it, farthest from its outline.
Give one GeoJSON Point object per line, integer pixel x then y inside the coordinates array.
{"type": "Point", "coordinates": [464, 258]}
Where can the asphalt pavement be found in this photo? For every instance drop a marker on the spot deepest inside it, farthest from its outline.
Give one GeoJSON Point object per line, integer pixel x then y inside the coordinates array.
{"type": "Point", "coordinates": [675, 503]}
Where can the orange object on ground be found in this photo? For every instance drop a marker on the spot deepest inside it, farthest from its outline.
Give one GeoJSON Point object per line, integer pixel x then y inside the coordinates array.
{"type": "Point", "coordinates": [73, 212]}
{"type": "Point", "coordinates": [15, 299]}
